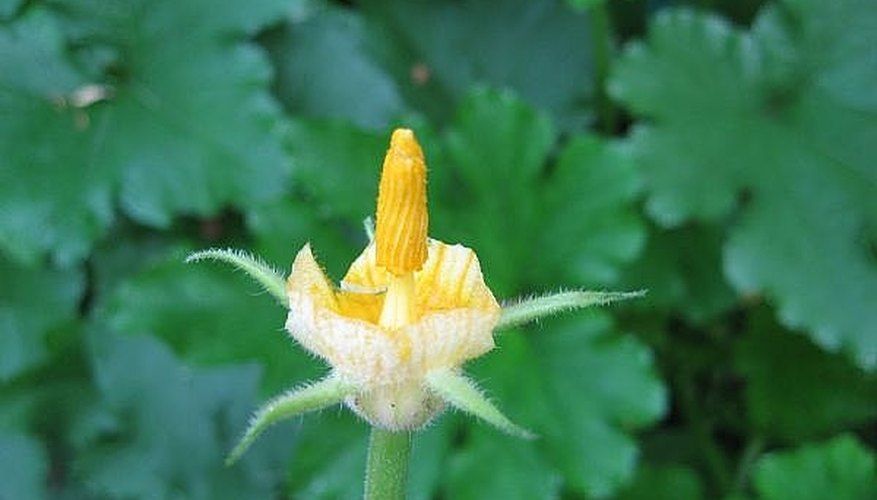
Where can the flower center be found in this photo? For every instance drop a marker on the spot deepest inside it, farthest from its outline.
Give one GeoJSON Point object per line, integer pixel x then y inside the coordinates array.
{"type": "Point", "coordinates": [401, 227]}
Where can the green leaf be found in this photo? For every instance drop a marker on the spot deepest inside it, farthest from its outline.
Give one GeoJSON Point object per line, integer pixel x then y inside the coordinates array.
{"type": "Point", "coordinates": [438, 50]}
{"type": "Point", "coordinates": [592, 414]}
{"type": "Point", "coordinates": [54, 196]}
{"type": "Point", "coordinates": [797, 91]}
{"type": "Point", "coordinates": [163, 427]}
{"type": "Point", "coordinates": [32, 302]}
{"type": "Point", "coordinates": [682, 270]}
{"type": "Point", "coordinates": [8, 8]}
{"type": "Point", "coordinates": [576, 219]}
{"type": "Point", "coordinates": [671, 482]}
{"type": "Point", "coordinates": [339, 165]}
{"type": "Point", "coordinates": [792, 386]}
{"type": "Point", "coordinates": [581, 5]}
{"type": "Point", "coordinates": [23, 467]}
{"type": "Point", "coordinates": [305, 399]}
{"type": "Point", "coordinates": [209, 315]}
{"type": "Point", "coordinates": [429, 453]}
{"type": "Point", "coordinates": [176, 146]}
{"type": "Point", "coordinates": [330, 457]}
{"type": "Point", "coordinates": [841, 468]}
{"type": "Point", "coordinates": [590, 226]}
{"type": "Point", "coordinates": [463, 394]}
{"type": "Point", "coordinates": [184, 130]}
{"type": "Point", "coordinates": [353, 87]}
{"type": "Point", "coordinates": [494, 466]}
{"type": "Point", "coordinates": [582, 388]}
{"type": "Point", "coordinates": [270, 279]}
{"type": "Point", "coordinates": [282, 227]}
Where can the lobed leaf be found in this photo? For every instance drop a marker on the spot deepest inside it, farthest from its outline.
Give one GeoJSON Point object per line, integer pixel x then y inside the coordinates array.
{"type": "Point", "coordinates": [838, 468]}
{"type": "Point", "coordinates": [208, 316]}
{"type": "Point", "coordinates": [33, 301]}
{"type": "Point", "coordinates": [44, 208]}
{"type": "Point", "coordinates": [156, 427]}
{"type": "Point", "coordinates": [782, 116]}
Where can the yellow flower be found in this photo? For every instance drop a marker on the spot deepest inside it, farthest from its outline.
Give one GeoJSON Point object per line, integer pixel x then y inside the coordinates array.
{"type": "Point", "coordinates": [407, 307]}
{"type": "Point", "coordinates": [410, 311]}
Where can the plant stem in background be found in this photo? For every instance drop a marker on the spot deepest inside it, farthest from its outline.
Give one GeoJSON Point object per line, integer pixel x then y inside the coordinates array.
{"type": "Point", "coordinates": [386, 469]}
{"type": "Point", "coordinates": [747, 460]}
{"type": "Point", "coordinates": [601, 40]}
{"type": "Point", "coordinates": [713, 459]}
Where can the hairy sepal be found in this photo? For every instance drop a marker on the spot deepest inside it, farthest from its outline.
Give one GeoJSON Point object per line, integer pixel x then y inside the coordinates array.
{"type": "Point", "coordinates": [269, 278]}
{"type": "Point", "coordinates": [535, 308]}
{"type": "Point", "coordinates": [327, 392]}
{"type": "Point", "coordinates": [462, 393]}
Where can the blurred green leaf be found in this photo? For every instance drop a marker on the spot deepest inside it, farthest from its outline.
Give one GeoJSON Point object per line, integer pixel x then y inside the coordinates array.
{"type": "Point", "coordinates": [581, 388]}
{"type": "Point", "coordinates": [283, 226]}
{"type": "Point", "coordinates": [23, 467]}
{"type": "Point", "coordinates": [784, 115]}
{"type": "Point", "coordinates": [682, 270]}
{"type": "Point", "coordinates": [164, 427]}
{"type": "Point", "coordinates": [8, 8]}
{"type": "Point", "coordinates": [330, 457]}
{"type": "Point", "coordinates": [210, 314]}
{"type": "Point", "coordinates": [840, 468]}
{"type": "Point", "coordinates": [429, 455]}
{"type": "Point", "coordinates": [663, 483]}
{"type": "Point", "coordinates": [593, 414]}
{"type": "Point", "coordinates": [581, 5]}
{"type": "Point", "coordinates": [438, 50]}
{"type": "Point", "coordinates": [191, 127]}
{"type": "Point", "coordinates": [531, 220]}
{"type": "Point", "coordinates": [174, 113]}
{"type": "Point", "coordinates": [32, 302]}
{"type": "Point", "coordinates": [494, 466]}
{"type": "Point", "coordinates": [792, 386]}
{"type": "Point", "coordinates": [590, 228]}
{"type": "Point", "coordinates": [54, 196]}
{"type": "Point", "coordinates": [324, 70]}
{"type": "Point", "coordinates": [339, 165]}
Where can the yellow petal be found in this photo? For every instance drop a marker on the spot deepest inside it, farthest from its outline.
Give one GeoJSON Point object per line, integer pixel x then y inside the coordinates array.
{"type": "Point", "coordinates": [358, 350]}
{"type": "Point", "coordinates": [450, 278]}
{"type": "Point", "coordinates": [456, 316]}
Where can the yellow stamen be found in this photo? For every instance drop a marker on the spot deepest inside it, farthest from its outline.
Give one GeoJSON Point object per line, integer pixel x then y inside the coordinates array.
{"type": "Point", "coordinates": [402, 219]}
{"type": "Point", "coordinates": [399, 302]}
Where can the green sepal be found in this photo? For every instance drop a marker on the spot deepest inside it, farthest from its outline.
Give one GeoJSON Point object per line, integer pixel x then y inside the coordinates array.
{"type": "Point", "coordinates": [270, 279]}
{"type": "Point", "coordinates": [308, 398]}
{"type": "Point", "coordinates": [463, 394]}
{"type": "Point", "coordinates": [535, 308]}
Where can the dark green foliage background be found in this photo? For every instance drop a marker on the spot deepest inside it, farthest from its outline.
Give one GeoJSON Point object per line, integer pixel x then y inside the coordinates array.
{"type": "Point", "coordinates": [719, 153]}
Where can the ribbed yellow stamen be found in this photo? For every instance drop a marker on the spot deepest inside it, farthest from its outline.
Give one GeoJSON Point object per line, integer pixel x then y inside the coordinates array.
{"type": "Point", "coordinates": [402, 220]}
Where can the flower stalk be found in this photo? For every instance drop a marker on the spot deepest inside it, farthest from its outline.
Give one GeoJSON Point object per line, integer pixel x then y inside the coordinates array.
{"type": "Point", "coordinates": [386, 474]}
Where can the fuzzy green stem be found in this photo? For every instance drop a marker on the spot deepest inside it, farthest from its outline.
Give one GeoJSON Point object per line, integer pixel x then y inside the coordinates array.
{"type": "Point", "coordinates": [713, 458]}
{"type": "Point", "coordinates": [386, 473]}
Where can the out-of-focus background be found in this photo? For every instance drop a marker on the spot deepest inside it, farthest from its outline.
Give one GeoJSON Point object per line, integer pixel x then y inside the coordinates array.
{"type": "Point", "coordinates": [719, 153]}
